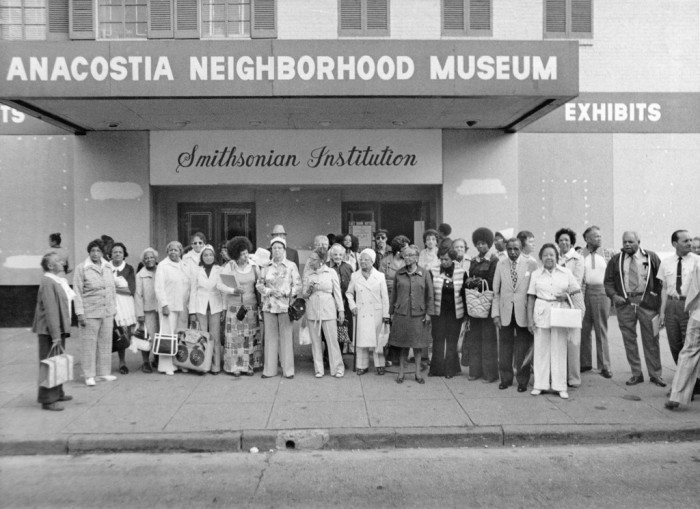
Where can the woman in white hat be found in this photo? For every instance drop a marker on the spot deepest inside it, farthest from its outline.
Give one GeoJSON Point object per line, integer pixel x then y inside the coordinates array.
{"type": "Point", "coordinates": [279, 283]}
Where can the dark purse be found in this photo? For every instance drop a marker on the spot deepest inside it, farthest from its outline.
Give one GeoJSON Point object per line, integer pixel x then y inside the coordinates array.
{"type": "Point", "coordinates": [121, 339]}
{"type": "Point", "coordinates": [343, 333]}
{"type": "Point", "coordinates": [297, 309]}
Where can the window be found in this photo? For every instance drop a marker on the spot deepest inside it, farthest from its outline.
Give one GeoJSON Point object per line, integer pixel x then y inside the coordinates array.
{"type": "Point", "coordinates": [225, 18]}
{"type": "Point", "coordinates": [467, 17]}
{"type": "Point", "coordinates": [22, 20]}
{"type": "Point", "coordinates": [568, 19]}
{"type": "Point", "coordinates": [122, 19]}
{"type": "Point", "coordinates": [365, 18]}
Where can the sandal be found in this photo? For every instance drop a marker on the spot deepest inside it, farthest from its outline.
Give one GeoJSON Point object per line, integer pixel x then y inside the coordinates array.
{"type": "Point", "coordinates": [420, 380]}
{"type": "Point", "coordinates": [399, 379]}
{"type": "Point", "coordinates": [124, 370]}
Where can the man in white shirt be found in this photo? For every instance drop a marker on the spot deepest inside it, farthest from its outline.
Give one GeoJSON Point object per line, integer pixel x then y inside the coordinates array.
{"type": "Point", "coordinates": [674, 273]}
{"type": "Point", "coordinates": [595, 261]}
{"type": "Point", "coordinates": [527, 241]}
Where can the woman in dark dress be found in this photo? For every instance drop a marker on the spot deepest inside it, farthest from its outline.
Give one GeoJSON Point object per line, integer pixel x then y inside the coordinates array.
{"type": "Point", "coordinates": [448, 282]}
{"type": "Point", "coordinates": [412, 303]}
{"type": "Point", "coordinates": [481, 339]}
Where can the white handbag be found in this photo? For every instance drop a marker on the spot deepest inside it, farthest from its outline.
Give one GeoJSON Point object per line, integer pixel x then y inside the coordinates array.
{"type": "Point", "coordinates": [570, 318]}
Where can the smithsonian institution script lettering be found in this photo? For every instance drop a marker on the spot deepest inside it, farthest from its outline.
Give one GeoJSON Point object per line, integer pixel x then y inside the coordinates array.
{"type": "Point", "coordinates": [268, 68]}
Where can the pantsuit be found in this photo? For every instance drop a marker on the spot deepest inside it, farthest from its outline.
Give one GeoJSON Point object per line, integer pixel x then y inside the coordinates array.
{"type": "Point", "coordinates": [96, 339]}
{"type": "Point", "coordinates": [513, 344]}
{"type": "Point", "coordinates": [483, 348]}
{"type": "Point", "coordinates": [445, 330]}
{"type": "Point", "coordinates": [676, 320]}
{"type": "Point", "coordinates": [211, 323]}
{"type": "Point", "coordinates": [52, 395]}
{"type": "Point", "coordinates": [550, 358]}
{"type": "Point", "coordinates": [573, 357]}
{"type": "Point", "coordinates": [627, 316]}
{"type": "Point", "coordinates": [688, 368]}
{"type": "Point", "coordinates": [278, 344]}
{"type": "Point", "coordinates": [335, 358]}
{"type": "Point", "coordinates": [595, 320]}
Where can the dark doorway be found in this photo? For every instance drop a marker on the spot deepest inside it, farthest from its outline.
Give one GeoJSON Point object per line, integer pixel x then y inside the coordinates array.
{"type": "Point", "coordinates": [220, 222]}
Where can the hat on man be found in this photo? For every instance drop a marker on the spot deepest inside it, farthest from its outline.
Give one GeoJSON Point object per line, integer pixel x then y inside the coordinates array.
{"type": "Point", "coordinates": [278, 229]}
{"type": "Point", "coordinates": [381, 231]}
{"type": "Point", "coordinates": [278, 239]}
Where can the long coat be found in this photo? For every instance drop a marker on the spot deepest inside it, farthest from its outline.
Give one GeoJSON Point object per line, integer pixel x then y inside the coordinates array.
{"type": "Point", "coordinates": [371, 299]}
{"type": "Point", "coordinates": [52, 315]}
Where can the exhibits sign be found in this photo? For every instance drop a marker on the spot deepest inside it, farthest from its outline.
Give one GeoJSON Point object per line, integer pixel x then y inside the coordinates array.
{"type": "Point", "coordinates": [294, 157]}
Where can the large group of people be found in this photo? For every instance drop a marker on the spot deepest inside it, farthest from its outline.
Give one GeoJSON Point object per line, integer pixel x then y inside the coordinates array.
{"type": "Point", "coordinates": [492, 314]}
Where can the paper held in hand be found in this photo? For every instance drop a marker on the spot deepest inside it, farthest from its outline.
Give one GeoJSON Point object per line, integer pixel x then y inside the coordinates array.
{"type": "Point", "coordinates": [229, 280]}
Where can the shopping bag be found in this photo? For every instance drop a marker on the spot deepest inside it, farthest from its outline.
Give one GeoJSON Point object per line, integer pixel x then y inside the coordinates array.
{"type": "Point", "coordinates": [383, 336]}
{"type": "Point", "coordinates": [165, 344]}
{"type": "Point", "coordinates": [141, 340]}
{"type": "Point", "coordinates": [570, 318]}
{"type": "Point", "coordinates": [121, 338]}
{"type": "Point", "coordinates": [304, 336]}
{"type": "Point", "coordinates": [57, 369]}
{"type": "Point", "coordinates": [479, 301]}
{"type": "Point", "coordinates": [194, 350]}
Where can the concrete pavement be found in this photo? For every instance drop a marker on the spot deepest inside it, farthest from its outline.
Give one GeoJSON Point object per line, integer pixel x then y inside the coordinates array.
{"type": "Point", "coordinates": [187, 412]}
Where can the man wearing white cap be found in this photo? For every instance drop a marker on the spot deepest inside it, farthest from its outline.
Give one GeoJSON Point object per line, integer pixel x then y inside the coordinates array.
{"type": "Point", "coordinates": [292, 254]}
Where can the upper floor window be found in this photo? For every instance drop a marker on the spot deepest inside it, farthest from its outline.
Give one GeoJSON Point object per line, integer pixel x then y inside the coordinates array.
{"type": "Point", "coordinates": [225, 18]}
{"type": "Point", "coordinates": [365, 18]}
{"type": "Point", "coordinates": [467, 17]}
{"type": "Point", "coordinates": [568, 19]}
{"type": "Point", "coordinates": [122, 19]}
{"type": "Point", "coordinates": [23, 20]}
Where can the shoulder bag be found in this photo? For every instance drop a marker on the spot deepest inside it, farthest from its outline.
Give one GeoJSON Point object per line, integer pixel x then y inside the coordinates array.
{"type": "Point", "coordinates": [479, 301]}
{"type": "Point", "coordinates": [570, 318]}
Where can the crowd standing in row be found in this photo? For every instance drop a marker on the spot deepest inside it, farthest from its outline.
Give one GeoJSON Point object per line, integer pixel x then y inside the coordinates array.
{"type": "Point", "coordinates": [402, 300]}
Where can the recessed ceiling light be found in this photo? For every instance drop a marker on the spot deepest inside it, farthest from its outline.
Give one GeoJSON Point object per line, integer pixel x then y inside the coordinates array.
{"type": "Point", "coordinates": [399, 123]}
{"type": "Point", "coordinates": [254, 123]}
{"type": "Point", "coordinates": [113, 124]}
{"type": "Point", "coordinates": [324, 123]}
{"type": "Point", "coordinates": [182, 123]}
{"type": "Point", "coordinates": [471, 123]}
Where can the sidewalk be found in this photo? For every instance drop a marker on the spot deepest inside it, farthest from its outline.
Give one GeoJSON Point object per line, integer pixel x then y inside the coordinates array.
{"type": "Point", "coordinates": [188, 412]}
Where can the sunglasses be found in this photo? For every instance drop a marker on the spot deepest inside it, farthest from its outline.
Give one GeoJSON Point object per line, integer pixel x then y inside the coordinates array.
{"type": "Point", "coordinates": [197, 243]}
{"type": "Point", "coordinates": [381, 237]}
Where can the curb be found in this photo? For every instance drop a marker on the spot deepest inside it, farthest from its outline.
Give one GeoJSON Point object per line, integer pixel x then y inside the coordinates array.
{"type": "Point", "coordinates": [346, 439]}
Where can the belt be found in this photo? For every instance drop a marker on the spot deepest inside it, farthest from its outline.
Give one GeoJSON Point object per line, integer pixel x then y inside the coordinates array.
{"type": "Point", "coordinates": [673, 297]}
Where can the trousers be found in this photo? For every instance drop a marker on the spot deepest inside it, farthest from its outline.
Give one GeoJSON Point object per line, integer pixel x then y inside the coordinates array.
{"type": "Point", "coordinates": [211, 323]}
{"type": "Point", "coordinates": [676, 320]}
{"type": "Point", "coordinates": [513, 344]}
{"type": "Point", "coordinates": [688, 368]}
{"type": "Point", "coordinates": [550, 358]}
{"type": "Point", "coordinates": [627, 317]}
{"type": "Point", "coordinates": [595, 320]}
{"type": "Point", "coordinates": [96, 338]}
{"type": "Point", "coordinates": [335, 358]}
{"type": "Point", "coordinates": [279, 344]}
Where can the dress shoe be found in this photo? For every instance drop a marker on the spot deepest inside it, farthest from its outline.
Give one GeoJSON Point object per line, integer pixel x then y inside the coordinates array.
{"type": "Point", "coordinates": [54, 407]}
{"type": "Point", "coordinates": [339, 375]}
{"type": "Point", "coordinates": [672, 405]}
{"type": "Point", "coordinates": [503, 386]}
{"type": "Point", "coordinates": [522, 388]}
{"type": "Point", "coordinates": [290, 377]}
{"type": "Point", "coordinates": [605, 373]}
{"type": "Point", "coordinates": [106, 378]}
{"type": "Point", "coordinates": [90, 382]}
{"type": "Point", "coordinates": [266, 376]}
{"type": "Point", "coordinates": [536, 392]}
{"type": "Point", "coordinates": [635, 380]}
{"type": "Point", "coordinates": [380, 371]}
{"type": "Point", "coordinates": [584, 369]}
{"type": "Point", "coordinates": [472, 378]}
{"type": "Point", "coordinates": [563, 395]}
{"type": "Point", "coordinates": [65, 397]}
{"type": "Point", "coordinates": [489, 380]}
{"type": "Point", "coordinates": [657, 380]}
{"type": "Point", "coordinates": [319, 375]}
{"type": "Point", "coordinates": [448, 377]}
{"type": "Point", "coordinates": [361, 372]}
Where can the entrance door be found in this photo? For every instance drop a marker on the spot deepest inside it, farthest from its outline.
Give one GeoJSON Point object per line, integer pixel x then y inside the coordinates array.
{"type": "Point", "coordinates": [220, 222]}
{"type": "Point", "coordinates": [396, 217]}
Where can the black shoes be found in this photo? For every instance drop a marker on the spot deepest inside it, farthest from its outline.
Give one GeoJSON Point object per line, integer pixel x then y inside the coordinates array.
{"type": "Point", "coordinates": [605, 373]}
{"type": "Point", "coordinates": [635, 380]}
{"type": "Point", "coordinates": [54, 407]}
{"type": "Point", "coordinates": [361, 372]}
{"type": "Point", "coordinates": [65, 397]}
{"type": "Point", "coordinates": [586, 368]}
{"type": "Point", "coordinates": [672, 405]}
{"type": "Point", "coordinates": [503, 386]}
{"type": "Point", "coordinates": [522, 388]}
{"type": "Point", "coordinates": [657, 380]}
{"type": "Point", "coordinates": [380, 371]}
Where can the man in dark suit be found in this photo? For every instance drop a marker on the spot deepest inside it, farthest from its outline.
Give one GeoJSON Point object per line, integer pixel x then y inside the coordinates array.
{"type": "Point", "coordinates": [292, 254]}
{"type": "Point", "coordinates": [52, 322]}
{"type": "Point", "coordinates": [632, 285]}
{"type": "Point", "coordinates": [509, 313]}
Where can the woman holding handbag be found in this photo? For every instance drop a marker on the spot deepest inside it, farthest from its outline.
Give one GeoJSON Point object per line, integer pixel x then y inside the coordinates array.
{"type": "Point", "coordinates": [172, 285]}
{"type": "Point", "coordinates": [368, 300]}
{"type": "Point", "coordinates": [125, 284]}
{"type": "Point", "coordinates": [481, 339]}
{"type": "Point", "coordinates": [448, 281]}
{"type": "Point", "coordinates": [550, 286]}
{"type": "Point", "coordinates": [206, 302]}
{"type": "Point", "coordinates": [243, 349]}
{"type": "Point", "coordinates": [52, 322]}
{"type": "Point", "coordinates": [145, 302]}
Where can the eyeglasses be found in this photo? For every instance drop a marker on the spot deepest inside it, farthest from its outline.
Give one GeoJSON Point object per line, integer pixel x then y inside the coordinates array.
{"type": "Point", "coordinates": [198, 243]}
{"type": "Point", "coordinates": [381, 237]}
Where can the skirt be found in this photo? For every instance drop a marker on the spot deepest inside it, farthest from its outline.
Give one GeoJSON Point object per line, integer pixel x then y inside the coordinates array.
{"type": "Point", "coordinates": [243, 347]}
{"type": "Point", "coordinates": [126, 313]}
{"type": "Point", "coordinates": [409, 332]}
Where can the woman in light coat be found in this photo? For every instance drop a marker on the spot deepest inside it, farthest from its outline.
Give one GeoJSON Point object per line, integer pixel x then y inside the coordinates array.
{"type": "Point", "coordinates": [206, 302]}
{"type": "Point", "coordinates": [172, 287]}
{"type": "Point", "coordinates": [145, 302]}
{"type": "Point", "coordinates": [324, 309]}
{"type": "Point", "coordinates": [368, 300]}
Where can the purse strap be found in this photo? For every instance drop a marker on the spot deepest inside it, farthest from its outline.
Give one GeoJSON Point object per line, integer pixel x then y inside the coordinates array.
{"type": "Point", "coordinates": [58, 348]}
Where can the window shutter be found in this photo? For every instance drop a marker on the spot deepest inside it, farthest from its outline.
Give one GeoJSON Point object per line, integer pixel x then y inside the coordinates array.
{"type": "Point", "coordinates": [480, 17]}
{"type": "Point", "coordinates": [350, 17]}
{"type": "Point", "coordinates": [160, 19]}
{"type": "Point", "coordinates": [555, 18]}
{"type": "Point", "coordinates": [263, 20]}
{"type": "Point", "coordinates": [453, 17]}
{"type": "Point", "coordinates": [58, 20]}
{"type": "Point", "coordinates": [377, 17]}
{"type": "Point", "coordinates": [187, 19]}
{"type": "Point", "coordinates": [582, 18]}
{"type": "Point", "coordinates": [82, 19]}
